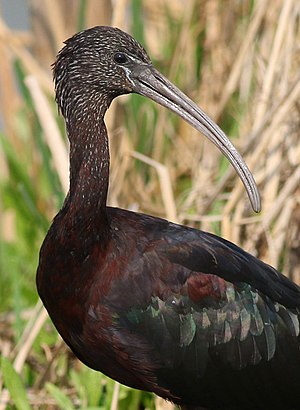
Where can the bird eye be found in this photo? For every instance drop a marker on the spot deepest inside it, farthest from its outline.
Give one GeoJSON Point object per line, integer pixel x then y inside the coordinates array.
{"type": "Point", "coordinates": [120, 58]}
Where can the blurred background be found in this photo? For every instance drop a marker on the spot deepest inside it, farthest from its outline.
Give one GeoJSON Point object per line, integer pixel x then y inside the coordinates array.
{"type": "Point", "coordinates": [239, 60]}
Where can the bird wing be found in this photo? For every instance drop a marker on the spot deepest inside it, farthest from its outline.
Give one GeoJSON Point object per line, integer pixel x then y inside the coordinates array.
{"type": "Point", "coordinates": [187, 287]}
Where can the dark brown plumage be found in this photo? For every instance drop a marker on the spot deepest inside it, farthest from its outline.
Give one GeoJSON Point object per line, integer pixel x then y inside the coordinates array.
{"type": "Point", "coordinates": [155, 305]}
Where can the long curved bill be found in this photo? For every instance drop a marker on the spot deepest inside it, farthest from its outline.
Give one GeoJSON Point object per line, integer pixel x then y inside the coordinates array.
{"type": "Point", "coordinates": [149, 82]}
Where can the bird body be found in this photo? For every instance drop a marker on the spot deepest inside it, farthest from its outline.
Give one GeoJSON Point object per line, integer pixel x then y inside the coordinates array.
{"type": "Point", "coordinates": [143, 313]}
{"type": "Point", "coordinates": [155, 305]}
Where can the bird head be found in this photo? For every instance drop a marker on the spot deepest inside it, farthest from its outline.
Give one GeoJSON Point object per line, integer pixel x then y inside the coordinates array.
{"type": "Point", "coordinates": [97, 62]}
{"type": "Point", "coordinates": [101, 63]}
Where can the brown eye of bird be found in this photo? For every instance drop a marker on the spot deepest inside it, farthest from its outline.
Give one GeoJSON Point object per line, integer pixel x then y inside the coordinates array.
{"type": "Point", "coordinates": [120, 58]}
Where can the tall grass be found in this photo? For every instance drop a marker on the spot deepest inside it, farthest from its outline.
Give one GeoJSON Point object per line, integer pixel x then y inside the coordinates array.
{"type": "Point", "coordinates": [240, 62]}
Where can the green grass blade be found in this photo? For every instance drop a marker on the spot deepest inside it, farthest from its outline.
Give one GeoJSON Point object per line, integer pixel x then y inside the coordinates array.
{"type": "Point", "coordinates": [14, 385]}
{"type": "Point", "coordinates": [81, 15]}
{"type": "Point", "coordinates": [138, 21]}
{"type": "Point", "coordinates": [60, 397]}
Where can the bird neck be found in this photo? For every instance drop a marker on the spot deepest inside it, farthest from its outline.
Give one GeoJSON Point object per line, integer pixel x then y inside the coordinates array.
{"type": "Point", "coordinates": [89, 166]}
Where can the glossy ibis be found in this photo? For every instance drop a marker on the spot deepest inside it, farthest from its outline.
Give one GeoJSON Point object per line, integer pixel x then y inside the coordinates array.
{"type": "Point", "coordinates": [155, 305]}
